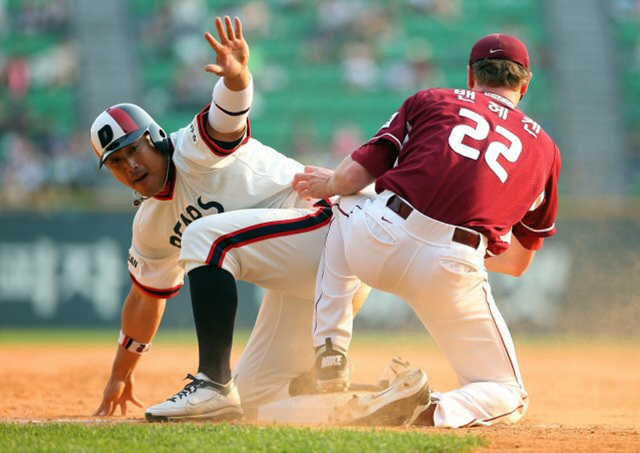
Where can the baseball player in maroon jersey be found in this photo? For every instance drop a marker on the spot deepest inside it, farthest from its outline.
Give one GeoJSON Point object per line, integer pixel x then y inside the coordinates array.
{"type": "Point", "coordinates": [218, 205]}
{"type": "Point", "coordinates": [465, 182]}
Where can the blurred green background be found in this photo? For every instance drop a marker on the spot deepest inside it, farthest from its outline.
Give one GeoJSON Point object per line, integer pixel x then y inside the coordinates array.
{"type": "Point", "coordinates": [327, 75]}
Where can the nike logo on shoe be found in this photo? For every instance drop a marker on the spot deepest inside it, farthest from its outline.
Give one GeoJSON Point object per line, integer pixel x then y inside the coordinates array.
{"type": "Point", "coordinates": [207, 403]}
{"type": "Point", "coordinates": [331, 361]}
{"type": "Point", "coordinates": [382, 393]}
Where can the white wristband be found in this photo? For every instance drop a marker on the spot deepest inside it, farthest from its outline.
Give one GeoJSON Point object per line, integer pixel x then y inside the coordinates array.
{"type": "Point", "coordinates": [132, 345]}
{"type": "Point", "coordinates": [230, 109]}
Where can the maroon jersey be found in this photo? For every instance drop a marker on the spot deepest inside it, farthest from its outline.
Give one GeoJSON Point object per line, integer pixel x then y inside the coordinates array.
{"type": "Point", "coordinates": [470, 159]}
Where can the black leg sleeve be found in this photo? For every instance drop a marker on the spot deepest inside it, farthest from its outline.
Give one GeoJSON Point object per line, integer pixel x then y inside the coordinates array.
{"type": "Point", "coordinates": [214, 299]}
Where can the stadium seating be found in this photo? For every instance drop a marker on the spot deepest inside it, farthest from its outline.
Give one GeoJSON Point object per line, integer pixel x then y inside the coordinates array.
{"type": "Point", "coordinates": [626, 33]}
{"type": "Point", "coordinates": [627, 36]}
{"type": "Point", "coordinates": [309, 58]}
{"type": "Point", "coordinates": [30, 36]}
{"type": "Point", "coordinates": [298, 60]}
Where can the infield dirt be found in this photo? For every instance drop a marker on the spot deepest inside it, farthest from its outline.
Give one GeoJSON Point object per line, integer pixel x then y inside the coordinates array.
{"type": "Point", "coordinates": [584, 394]}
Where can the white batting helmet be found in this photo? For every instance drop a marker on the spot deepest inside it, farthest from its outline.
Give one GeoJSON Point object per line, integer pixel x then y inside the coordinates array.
{"type": "Point", "coordinates": [124, 124]}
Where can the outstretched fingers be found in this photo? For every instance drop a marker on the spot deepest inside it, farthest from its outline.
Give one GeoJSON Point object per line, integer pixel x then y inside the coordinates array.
{"type": "Point", "coordinates": [230, 33]}
{"type": "Point", "coordinates": [214, 69]}
{"type": "Point", "coordinates": [221, 31]}
{"type": "Point", "coordinates": [232, 51]}
{"type": "Point", "coordinates": [239, 34]}
{"type": "Point", "coordinates": [213, 42]}
{"type": "Point", "coordinates": [218, 48]}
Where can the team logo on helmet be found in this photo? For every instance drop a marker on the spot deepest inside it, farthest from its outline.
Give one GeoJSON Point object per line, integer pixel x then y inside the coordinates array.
{"type": "Point", "coordinates": [121, 125]}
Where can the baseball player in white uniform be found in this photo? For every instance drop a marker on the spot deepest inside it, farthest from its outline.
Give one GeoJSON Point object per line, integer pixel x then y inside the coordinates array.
{"type": "Point", "coordinates": [218, 205]}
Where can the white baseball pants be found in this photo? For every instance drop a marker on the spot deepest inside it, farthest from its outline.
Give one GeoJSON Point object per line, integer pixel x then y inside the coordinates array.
{"type": "Point", "coordinates": [278, 249]}
{"type": "Point", "coordinates": [445, 283]}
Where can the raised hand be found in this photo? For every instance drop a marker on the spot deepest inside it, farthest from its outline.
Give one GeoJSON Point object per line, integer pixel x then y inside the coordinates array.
{"type": "Point", "coordinates": [232, 51]}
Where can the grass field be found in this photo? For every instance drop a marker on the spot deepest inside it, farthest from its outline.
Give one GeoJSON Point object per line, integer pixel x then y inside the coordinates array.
{"type": "Point", "coordinates": [139, 437]}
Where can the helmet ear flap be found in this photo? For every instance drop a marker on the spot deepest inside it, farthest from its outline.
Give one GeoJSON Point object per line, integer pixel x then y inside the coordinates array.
{"type": "Point", "coordinates": [159, 138]}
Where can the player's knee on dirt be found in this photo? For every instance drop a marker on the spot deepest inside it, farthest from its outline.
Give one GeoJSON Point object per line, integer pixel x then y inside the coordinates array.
{"type": "Point", "coordinates": [202, 245]}
{"type": "Point", "coordinates": [509, 404]}
{"type": "Point", "coordinates": [481, 404]}
{"type": "Point", "coordinates": [521, 403]}
{"type": "Point", "coordinates": [512, 405]}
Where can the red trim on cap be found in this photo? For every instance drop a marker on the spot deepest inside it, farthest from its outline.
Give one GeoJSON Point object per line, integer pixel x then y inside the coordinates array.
{"type": "Point", "coordinates": [209, 140]}
{"type": "Point", "coordinates": [124, 120]}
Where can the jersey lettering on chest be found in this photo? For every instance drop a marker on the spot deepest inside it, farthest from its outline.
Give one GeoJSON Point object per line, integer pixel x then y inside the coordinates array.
{"type": "Point", "coordinates": [189, 215]}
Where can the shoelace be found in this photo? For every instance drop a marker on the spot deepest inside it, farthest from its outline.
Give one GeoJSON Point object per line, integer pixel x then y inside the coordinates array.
{"type": "Point", "coordinates": [188, 389]}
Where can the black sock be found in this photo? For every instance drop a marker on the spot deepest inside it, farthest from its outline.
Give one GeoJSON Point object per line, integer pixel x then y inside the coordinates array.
{"type": "Point", "coordinates": [214, 299]}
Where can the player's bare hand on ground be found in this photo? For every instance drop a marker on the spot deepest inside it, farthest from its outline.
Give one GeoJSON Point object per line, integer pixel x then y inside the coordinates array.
{"type": "Point", "coordinates": [117, 393]}
{"type": "Point", "coordinates": [232, 51]}
{"type": "Point", "coordinates": [313, 183]}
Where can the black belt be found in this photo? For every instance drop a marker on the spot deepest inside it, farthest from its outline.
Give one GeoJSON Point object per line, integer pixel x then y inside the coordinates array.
{"type": "Point", "coordinates": [461, 236]}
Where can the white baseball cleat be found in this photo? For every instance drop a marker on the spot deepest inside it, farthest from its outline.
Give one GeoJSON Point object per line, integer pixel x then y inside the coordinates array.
{"type": "Point", "coordinates": [391, 406]}
{"type": "Point", "coordinates": [201, 399]}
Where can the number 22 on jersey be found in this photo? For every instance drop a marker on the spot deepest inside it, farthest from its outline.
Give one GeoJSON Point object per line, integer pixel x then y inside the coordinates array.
{"type": "Point", "coordinates": [481, 132]}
